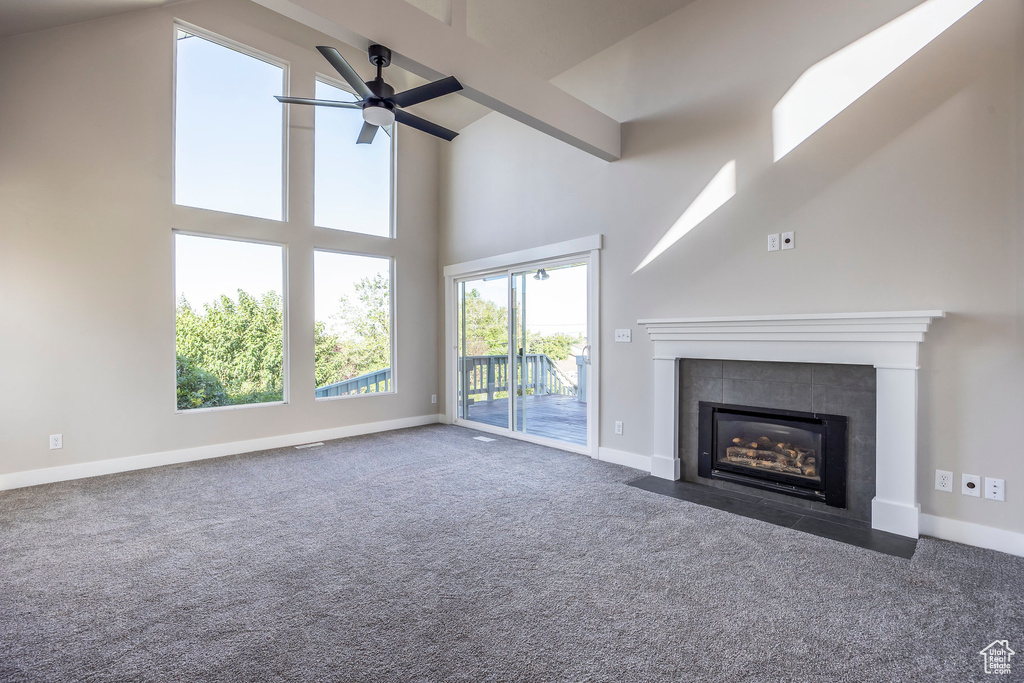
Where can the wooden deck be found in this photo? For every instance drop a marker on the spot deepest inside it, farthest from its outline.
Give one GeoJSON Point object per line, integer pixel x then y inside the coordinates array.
{"type": "Point", "coordinates": [562, 418]}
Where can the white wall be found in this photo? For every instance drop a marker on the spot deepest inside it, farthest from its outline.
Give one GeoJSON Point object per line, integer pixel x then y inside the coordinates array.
{"type": "Point", "coordinates": [907, 200]}
{"type": "Point", "coordinates": [86, 300]}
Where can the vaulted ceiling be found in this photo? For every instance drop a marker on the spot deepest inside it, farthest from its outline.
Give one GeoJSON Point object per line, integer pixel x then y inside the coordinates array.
{"type": "Point", "coordinates": [545, 37]}
{"type": "Point", "coordinates": [538, 39]}
{"type": "Point", "coordinates": [548, 37]}
{"type": "Point", "coordinates": [22, 16]}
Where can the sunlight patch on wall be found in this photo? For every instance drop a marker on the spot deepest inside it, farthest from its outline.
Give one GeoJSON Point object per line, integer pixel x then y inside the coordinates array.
{"type": "Point", "coordinates": [721, 189]}
{"type": "Point", "coordinates": [839, 80]}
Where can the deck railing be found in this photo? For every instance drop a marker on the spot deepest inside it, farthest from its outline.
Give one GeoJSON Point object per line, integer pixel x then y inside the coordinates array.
{"type": "Point", "coordinates": [481, 376]}
{"type": "Point", "coordinates": [369, 383]}
{"type": "Point", "coordinates": [485, 376]}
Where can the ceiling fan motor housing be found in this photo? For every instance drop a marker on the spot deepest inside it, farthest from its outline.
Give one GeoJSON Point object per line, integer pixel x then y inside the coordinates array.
{"type": "Point", "coordinates": [380, 89]}
{"type": "Point", "coordinates": [379, 56]}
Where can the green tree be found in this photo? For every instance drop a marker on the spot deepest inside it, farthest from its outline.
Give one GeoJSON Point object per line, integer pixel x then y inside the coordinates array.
{"type": "Point", "coordinates": [487, 331]}
{"type": "Point", "coordinates": [327, 349]}
{"type": "Point", "coordinates": [486, 325]}
{"type": "Point", "coordinates": [364, 342]}
{"type": "Point", "coordinates": [557, 346]}
{"type": "Point", "coordinates": [240, 342]}
{"type": "Point", "coordinates": [198, 388]}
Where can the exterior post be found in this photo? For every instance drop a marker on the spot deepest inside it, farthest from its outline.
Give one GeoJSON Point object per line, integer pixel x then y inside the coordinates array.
{"type": "Point", "coordinates": [490, 378]}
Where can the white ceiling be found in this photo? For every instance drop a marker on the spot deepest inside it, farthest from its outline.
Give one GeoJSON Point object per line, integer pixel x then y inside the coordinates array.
{"type": "Point", "coordinates": [543, 36]}
{"type": "Point", "coordinates": [546, 37]}
{"type": "Point", "coordinates": [22, 16]}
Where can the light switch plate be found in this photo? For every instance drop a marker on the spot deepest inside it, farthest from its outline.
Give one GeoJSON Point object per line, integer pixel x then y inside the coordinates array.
{"type": "Point", "coordinates": [623, 336]}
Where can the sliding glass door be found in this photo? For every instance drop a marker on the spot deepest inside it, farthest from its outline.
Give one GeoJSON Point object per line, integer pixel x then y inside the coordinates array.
{"type": "Point", "coordinates": [524, 351]}
{"type": "Point", "coordinates": [483, 351]}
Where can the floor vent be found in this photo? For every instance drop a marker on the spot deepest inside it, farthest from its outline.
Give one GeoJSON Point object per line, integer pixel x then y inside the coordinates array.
{"type": "Point", "coordinates": [482, 438]}
{"type": "Point", "coordinates": [310, 445]}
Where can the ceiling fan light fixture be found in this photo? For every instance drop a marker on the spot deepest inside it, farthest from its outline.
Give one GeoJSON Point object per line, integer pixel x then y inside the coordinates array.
{"type": "Point", "coordinates": [378, 115]}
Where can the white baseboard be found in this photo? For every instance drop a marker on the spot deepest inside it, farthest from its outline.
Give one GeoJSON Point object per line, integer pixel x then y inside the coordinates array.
{"type": "Point", "coordinates": [896, 518]}
{"type": "Point", "coordinates": [666, 468]}
{"type": "Point", "coordinates": [97, 468]}
{"type": "Point", "coordinates": [625, 458]}
{"type": "Point", "coordinates": [968, 533]}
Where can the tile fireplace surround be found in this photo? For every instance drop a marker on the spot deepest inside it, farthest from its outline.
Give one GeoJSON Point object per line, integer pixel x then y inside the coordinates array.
{"type": "Point", "coordinates": [888, 341]}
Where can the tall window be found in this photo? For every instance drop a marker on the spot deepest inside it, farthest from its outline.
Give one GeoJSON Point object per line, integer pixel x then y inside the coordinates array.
{"type": "Point", "coordinates": [352, 182]}
{"type": "Point", "coordinates": [229, 322]}
{"type": "Point", "coordinates": [229, 130]}
{"type": "Point", "coordinates": [352, 299]}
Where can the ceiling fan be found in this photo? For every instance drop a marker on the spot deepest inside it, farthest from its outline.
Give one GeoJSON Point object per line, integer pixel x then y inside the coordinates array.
{"type": "Point", "coordinates": [380, 104]}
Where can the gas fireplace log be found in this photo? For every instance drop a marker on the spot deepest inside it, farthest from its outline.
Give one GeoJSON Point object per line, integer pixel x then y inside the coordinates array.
{"type": "Point", "coordinates": [763, 443]}
{"type": "Point", "coordinates": [772, 460]}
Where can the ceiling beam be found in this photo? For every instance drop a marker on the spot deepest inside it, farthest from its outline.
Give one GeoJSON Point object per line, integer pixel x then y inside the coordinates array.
{"type": "Point", "coordinates": [431, 49]}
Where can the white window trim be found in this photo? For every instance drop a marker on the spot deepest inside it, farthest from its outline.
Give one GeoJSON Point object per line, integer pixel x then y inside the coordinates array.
{"type": "Point", "coordinates": [285, 346]}
{"type": "Point", "coordinates": [393, 320]}
{"type": "Point", "coordinates": [585, 248]}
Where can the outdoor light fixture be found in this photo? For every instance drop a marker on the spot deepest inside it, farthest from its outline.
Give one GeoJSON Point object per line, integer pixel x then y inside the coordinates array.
{"type": "Point", "coordinates": [541, 275]}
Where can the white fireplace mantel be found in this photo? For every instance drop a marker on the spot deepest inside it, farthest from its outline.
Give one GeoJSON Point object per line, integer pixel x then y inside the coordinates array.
{"type": "Point", "coordinates": [889, 341]}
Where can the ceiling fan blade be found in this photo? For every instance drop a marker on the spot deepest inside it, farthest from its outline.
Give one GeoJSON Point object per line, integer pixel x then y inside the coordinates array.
{"type": "Point", "coordinates": [320, 103]}
{"type": "Point", "coordinates": [346, 71]}
{"type": "Point", "coordinates": [366, 133]}
{"type": "Point", "coordinates": [426, 92]}
{"type": "Point", "coordinates": [424, 125]}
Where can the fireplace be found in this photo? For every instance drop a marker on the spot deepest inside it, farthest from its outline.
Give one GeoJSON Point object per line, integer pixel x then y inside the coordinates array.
{"type": "Point", "coordinates": [790, 452]}
{"type": "Point", "coordinates": [888, 341]}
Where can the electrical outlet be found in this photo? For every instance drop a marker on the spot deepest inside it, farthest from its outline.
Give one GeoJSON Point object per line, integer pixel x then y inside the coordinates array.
{"type": "Point", "coordinates": [773, 242]}
{"type": "Point", "coordinates": [789, 240]}
{"type": "Point", "coordinates": [618, 427]}
{"type": "Point", "coordinates": [995, 489]}
{"type": "Point", "coordinates": [970, 485]}
{"type": "Point", "coordinates": [433, 398]}
{"type": "Point", "coordinates": [624, 335]}
{"type": "Point", "coordinates": [944, 481]}
{"type": "Point", "coordinates": [56, 441]}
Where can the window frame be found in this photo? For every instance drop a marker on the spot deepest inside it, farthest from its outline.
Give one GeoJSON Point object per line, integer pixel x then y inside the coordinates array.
{"type": "Point", "coordinates": [392, 176]}
{"type": "Point", "coordinates": [285, 66]}
{"type": "Point", "coordinates": [392, 321]}
{"type": "Point", "coordinates": [285, 353]}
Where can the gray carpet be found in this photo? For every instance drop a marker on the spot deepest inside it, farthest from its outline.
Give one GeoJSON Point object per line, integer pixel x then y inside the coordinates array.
{"type": "Point", "coordinates": [424, 555]}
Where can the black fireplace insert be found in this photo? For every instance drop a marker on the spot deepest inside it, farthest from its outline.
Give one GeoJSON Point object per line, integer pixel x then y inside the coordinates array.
{"type": "Point", "coordinates": [790, 452]}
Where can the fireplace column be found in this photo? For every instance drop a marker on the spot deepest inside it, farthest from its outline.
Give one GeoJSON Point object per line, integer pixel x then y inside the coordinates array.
{"type": "Point", "coordinates": [895, 507]}
{"type": "Point", "coordinates": [665, 456]}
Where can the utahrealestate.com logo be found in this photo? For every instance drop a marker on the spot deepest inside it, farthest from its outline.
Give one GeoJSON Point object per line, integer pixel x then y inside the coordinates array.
{"type": "Point", "coordinates": [997, 657]}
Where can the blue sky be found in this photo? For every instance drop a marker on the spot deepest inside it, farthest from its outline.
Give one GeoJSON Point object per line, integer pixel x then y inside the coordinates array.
{"type": "Point", "coordinates": [228, 130]}
{"type": "Point", "coordinates": [206, 267]}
